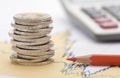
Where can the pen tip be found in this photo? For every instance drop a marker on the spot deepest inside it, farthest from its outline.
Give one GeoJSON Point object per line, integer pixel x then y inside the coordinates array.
{"type": "Point", "coordinates": [71, 59]}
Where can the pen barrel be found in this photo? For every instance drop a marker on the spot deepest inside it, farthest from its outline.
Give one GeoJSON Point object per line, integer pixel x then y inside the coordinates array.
{"type": "Point", "coordinates": [105, 60]}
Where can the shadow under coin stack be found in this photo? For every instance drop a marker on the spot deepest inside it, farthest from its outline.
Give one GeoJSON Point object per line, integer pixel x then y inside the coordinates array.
{"type": "Point", "coordinates": [30, 39]}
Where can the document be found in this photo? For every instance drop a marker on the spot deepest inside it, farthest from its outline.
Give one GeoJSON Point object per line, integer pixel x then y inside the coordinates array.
{"type": "Point", "coordinates": [60, 68]}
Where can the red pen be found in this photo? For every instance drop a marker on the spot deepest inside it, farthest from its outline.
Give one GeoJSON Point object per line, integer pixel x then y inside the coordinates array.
{"type": "Point", "coordinates": [98, 60]}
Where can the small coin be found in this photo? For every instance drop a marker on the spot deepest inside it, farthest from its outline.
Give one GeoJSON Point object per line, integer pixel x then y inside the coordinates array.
{"type": "Point", "coordinates": [44, 46]}
{"type": "Point", "coordinates": [17, 36]}
{"type": "Point", "coordinates": [33, 40]}
{"type": "Point", "coordinates": [33, 23]}
{"type": "Point", "coordinates": [35, 57]}
{"type": "Point", "coordinates": [40, 31]}
{"type": "Point", "coordinates": [16, 42]}
{"type": "Point", "coordinates": [30, 34]}
{"type": "Point", "coordinates": [32, 52]}
{"type": "Point", "coordinates": [32, 18]}
{"type": "Point", "coordinates": [28, 39]}
{"type": "Point", "coordinates": [17, 60]}
{"type": "Point", "coordinates": [29, 27]}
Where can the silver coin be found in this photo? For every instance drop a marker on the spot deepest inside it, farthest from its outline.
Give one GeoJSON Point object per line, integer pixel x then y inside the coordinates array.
{"type": "Point", "coordinates": [35, 57]}
{"type": "Point", "coordinates": [17, 36]}
{"type": "Point", "coordinates": [16, 42]}
{"type": "Point", "coordinates": [45, 46]}
{"type": "Point", "coordinates": [32, 52]}
{"type": "Point", "coordinates": [15, 59]}
{"type": "Point", "coordinates": [29, 27]}
{"type": "Point", "coordinates": [32, 18]}
{"type": "Point", "coordinates": [40, 31]}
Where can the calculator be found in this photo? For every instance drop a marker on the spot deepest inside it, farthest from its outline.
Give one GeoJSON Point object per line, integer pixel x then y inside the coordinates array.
{"type": "Point", "coordinates": [100, 19]}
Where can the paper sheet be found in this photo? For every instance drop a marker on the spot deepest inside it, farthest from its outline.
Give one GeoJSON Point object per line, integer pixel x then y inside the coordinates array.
{"type": "Point", "coordinates": [52, 70]}
{"type": "Point", "coordinates": [60, 68]}
{"type": "Point", "coordinates": [85, 46]}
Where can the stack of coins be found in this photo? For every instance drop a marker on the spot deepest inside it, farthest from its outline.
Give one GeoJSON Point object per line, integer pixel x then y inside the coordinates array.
{"type": "Point", "coordinates": [31, 40]}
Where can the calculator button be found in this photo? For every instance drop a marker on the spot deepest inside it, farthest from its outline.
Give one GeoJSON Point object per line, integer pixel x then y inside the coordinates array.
{"type": "Point", "coordinates": [93, 13]}
{"type": "Point", "coordinates": [98, 15]}
{"type": "Point", "coordinates": [117, 15]}
{"type": "Point", "coordinates": [90, 11]}
{"type": "Point", "coordinates": [108, 25]}
{"type": "Point", "coordinates": [113, 10]}
{"type": "Point", "coordinates": [102, 19]}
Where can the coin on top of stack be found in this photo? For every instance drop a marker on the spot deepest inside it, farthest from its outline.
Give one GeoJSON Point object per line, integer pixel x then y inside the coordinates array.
{"type": "Point", "coordinates": [31, 40]}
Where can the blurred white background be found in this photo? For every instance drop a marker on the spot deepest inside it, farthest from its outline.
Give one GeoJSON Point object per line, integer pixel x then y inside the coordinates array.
{"type": "Point", "coordinates": [11, 7]}
{"type": "Point", "coordinates": [53, 7]}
